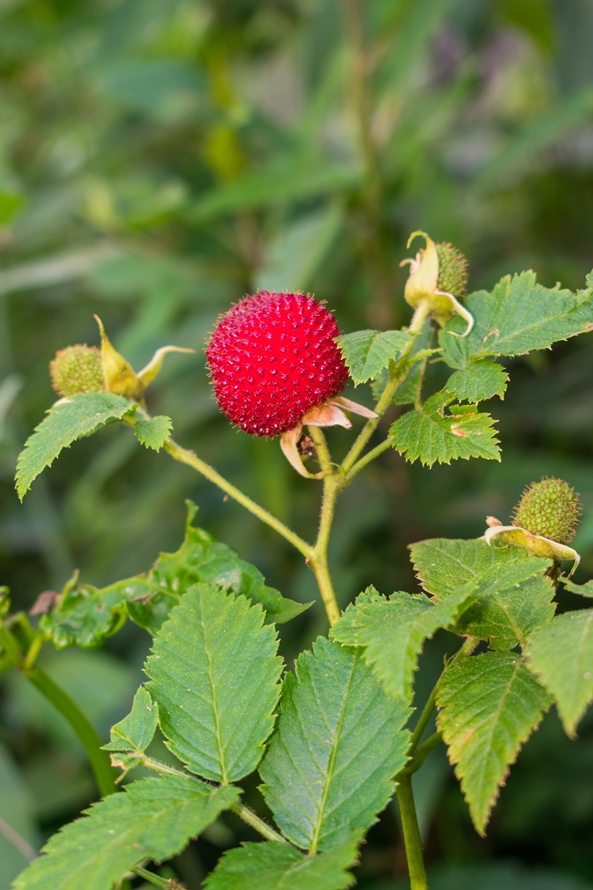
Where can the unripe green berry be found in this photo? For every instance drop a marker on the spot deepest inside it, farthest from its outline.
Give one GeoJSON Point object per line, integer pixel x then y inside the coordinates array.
{"type": "Point", "coordinates": [549, 508]}
{"type": "Point", "coordinates": [452, 270]}
{"type": "Point", "coordinates": [77, 369]}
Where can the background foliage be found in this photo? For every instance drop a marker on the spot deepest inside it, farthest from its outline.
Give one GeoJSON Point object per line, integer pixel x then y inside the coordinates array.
{"type": "Point", "coordinates": [158, 160]}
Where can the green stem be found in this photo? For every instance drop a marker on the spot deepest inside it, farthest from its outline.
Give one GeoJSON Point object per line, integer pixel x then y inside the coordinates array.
{"type": "Point", "coordinates": [185, 456]}
{"type": "Point", "coordinates": [396, 377]}
{"type": "Point", "coordinates": [411, 830]}
{"type": "Point", "coordinates": [318, 562]}
{"type": "Point", "coordinates": [239, 809]}
{"type": "Point", "coordinates": [423, 751]}
{"type": "Point", "coordinates": [10, 646]}
{"type": "Point", "coordinates": [368, 457]}
{"type": "Point", "coordinates": [86, 732]}
{"type": "Point", "coordinates": [156, 880]}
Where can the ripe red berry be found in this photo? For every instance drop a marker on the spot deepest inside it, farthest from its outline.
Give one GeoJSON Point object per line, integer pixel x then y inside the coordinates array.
{"type": "Point", "coordinates": [273, 357]}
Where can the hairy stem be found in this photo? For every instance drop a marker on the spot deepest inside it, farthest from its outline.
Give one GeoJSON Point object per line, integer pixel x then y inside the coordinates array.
{"type": "Point", "coordinates": [411, 830]}
{"type": "Point", "coordinates": [318, 560]}
{"type": "Point", "coordinates": [185, 456]}
{"type": "Point", "coordinates": [240, 809]}
{"type": "Point", "coordinates": [156, 880]}
{"type": "Point", "coordinates": [86, 732]}
{"type": "Point", "coordinates": [396, 377]}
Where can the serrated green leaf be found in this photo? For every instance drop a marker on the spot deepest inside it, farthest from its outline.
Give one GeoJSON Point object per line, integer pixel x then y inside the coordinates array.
{"type": "Point", "coordinates": [518, 316]}
{"type": "Point", "coordinates": [85, 616]}
{"type": "Point", "coordinates": [367, 353]}
{"type": "Point", "coordinates": [489, 705]}
{"type": "Point", "coordinates": [152, 819]}
{"type": "Point", "coordinates": [66, 421]}
{"type": "Point", "coordinates": [154, 433]}
{"type": "Point", "coordinates": [136, 731]}
{"type": "Point", "coordinates": [443, 564]}
{"type": "Point", "coordinates": [214, 675]}
{"type": "Point", "coordinates": [393, 632]}
{"type": "Point", "coordinates": [329, 766]}
{"type": "Point", "coordinates": [516, 595]}
{"type": "Point", "coordinates": [585, 589]}
{"type": "Point", "coordinates": [561, 654]}
{"type": "Point", "coordinates": [274, 866]}
{"type": "Point", "coordinates": [431, 435]}
{"type": "Point", "coordinates": [479, 381]}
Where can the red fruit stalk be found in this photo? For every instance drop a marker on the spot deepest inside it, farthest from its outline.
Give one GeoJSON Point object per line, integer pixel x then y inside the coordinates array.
{"type": "Point", "coordinates": [273, 358]}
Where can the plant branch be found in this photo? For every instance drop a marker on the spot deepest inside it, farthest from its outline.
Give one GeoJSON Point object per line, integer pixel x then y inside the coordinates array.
{"type": "Point", "coordinates": [411, 831]}
{"type": "Point", "coordinates": [86, 732]}
{"type": "Point", "coordinates": [318, 561]}
{"type": "Point", "coordinates": [156, 880]}
{"type": "Point", "coordinates": [17, 840]}
{"type": "Point", "coordinates": [185, 456]}
{"type": "Point", "coordinates": [239, 809]}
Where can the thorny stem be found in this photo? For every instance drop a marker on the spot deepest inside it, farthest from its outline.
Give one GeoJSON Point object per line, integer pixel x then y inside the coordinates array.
{"type": "Point", "coordinates": [239, 809]}
{"type": "Point", "coordinates": [185, 456]}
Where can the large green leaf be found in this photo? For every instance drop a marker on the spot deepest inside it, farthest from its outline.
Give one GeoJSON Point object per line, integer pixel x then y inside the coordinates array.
{"type": "Point", "coordinates": [66, 421]}
{"type": "Point", "coordinates": [392, 631]}
{"type": "Point", "coordinates": [84, 615]}
{"type": "Point", "coordinates": [367, 353]}
{"type": "Point", "coordinates": [516, 595]}
{"type": "Point", "coordinates": [214, 673]}
{"type": "Point", "coordinates": [152, 819]}
{"type": "Point", "coordinates": [440, 432]}
{"type": "Point", "coordinates": [275, 866]}
{"type": "Point", "coordinates": [518, 316]}
{"type": "Point", "coordinates": [561, 654]}
{"type": "Point", "coordinates": [489, 705]}
{"type": "Point", "coordinates": [479, 381]}
{"type": "Point", "coordinates": [329, 766]}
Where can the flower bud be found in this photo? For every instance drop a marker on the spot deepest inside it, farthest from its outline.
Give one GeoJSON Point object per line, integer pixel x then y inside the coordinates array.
{"type": "Point", "coordinates": [77, 369]}
{"type": "Point", "coordinates": [438, 279]}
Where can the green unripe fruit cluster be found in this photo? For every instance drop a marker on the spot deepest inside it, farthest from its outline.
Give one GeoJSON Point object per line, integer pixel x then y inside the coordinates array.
{"type": "Point", "coordinates": [452, 270]}
{"type": "Point", "coordinates": [549, 508]}
{"type": "Point", "coordinates": [77, 369]}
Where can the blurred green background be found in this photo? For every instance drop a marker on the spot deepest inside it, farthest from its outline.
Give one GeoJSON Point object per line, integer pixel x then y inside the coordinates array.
{"type": "Point", "coordinates": [159, 159]}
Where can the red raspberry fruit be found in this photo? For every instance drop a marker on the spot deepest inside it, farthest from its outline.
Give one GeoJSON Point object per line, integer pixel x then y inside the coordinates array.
{"type": "Point", "coordinates": [273, 357]}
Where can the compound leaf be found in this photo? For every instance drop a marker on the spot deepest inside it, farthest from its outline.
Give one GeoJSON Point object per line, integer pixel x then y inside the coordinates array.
{"type": "Point", "coordinates": [152, 819]}
{"type": "Point", "coordinates": [66, 421]}
{"type": "Point", "coordinates": [518, 316]}
{"type": "Point", "coordinates": [154, 433]}
{"type": "Point", "coordinates": [275, 866]}
{"type": "Point", "coordinates": [431, 435]}
{"type": "Point", "coordinates": [367, 353]}
{"type": "Point", "coordinates": [328, 769]}
{"type": "Point", "coordinates": [214, 675]}
{"type": "Point", "coordinates": [489, 705]}
{"type": "Point", "coordinates": [392, 631]}
{"type": "Point", "coordinates": [479, 381]}
{"type": "Point", "coordinates": [561, 654]}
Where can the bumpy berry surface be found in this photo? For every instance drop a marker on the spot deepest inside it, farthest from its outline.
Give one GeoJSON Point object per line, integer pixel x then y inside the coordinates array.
{"type": "Point", "coordinates": [452, 270]}
{"type": "Point", "coordinates": [549, 508]}
{"type": "Point", "coordinates": [77, 369]}
{"type": "Point", "coordinates": [273, 358]}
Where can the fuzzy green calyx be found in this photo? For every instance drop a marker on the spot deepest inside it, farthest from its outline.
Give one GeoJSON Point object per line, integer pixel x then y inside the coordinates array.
{"type": "Point", "coordinates": [549, 508]}
{"type": "Point", "coordinates": [452, 270]}
{"type": "Point", "coordinates": [77, 369]}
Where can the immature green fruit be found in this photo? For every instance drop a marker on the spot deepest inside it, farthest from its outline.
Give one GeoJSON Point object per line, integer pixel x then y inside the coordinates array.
{"type": "Point", "coordinates": [452, 270]}
{"type": "Point", "coordinates": [77, 369]}
{"type": "Point", "coordinates": [549, 508]}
